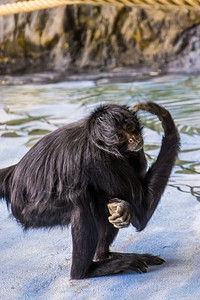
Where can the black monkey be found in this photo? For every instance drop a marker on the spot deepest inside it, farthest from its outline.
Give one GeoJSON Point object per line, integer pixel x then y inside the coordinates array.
{"type": "Point", "coordinates": [92, 174]}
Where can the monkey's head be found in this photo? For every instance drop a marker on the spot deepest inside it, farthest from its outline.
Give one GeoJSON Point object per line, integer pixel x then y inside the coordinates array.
{"type": "Point", "coordinates": [116, 129]}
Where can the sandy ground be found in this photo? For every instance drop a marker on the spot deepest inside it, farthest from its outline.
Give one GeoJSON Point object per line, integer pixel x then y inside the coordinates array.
{"type": "Point", "coordinates": [36, 265]}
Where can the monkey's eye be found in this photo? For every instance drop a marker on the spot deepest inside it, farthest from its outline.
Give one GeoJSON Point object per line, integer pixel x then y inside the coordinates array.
{"type": "Point", "coordinates": [120, 136]}
{"type": "Point", "coordinates": [128, 126]}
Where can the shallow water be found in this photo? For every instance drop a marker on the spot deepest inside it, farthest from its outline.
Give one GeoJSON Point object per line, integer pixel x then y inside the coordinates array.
{"type": "Point", "coordinates": [28, 112]}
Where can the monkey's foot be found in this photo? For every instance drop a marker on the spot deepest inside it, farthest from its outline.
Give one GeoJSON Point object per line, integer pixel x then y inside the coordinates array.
{"type": "Point", "coordinates": [120, 212]}
{"type": "Point", "coordinates": [123, 262]}
{"type": "Point", "coordinates": [147, 259]}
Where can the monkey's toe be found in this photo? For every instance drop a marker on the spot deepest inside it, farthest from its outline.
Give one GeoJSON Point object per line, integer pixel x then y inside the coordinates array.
{"type": "Point", "coordinates": [153, 260]}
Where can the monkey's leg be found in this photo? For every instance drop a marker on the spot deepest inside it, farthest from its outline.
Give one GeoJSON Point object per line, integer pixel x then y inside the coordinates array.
{"type": "Point", "coordinates": [84, 239]}
{"type": "Point", "coordinates": [108, 263]}
{"type": "Point", "coordinates": [106, 234]}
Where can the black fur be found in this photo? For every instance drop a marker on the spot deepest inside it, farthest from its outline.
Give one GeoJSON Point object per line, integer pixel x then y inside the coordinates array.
{"type": "Point", "coordinates": [70, 176]}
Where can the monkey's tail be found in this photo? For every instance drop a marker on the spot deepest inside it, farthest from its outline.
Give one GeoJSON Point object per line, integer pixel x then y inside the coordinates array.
{"type": "Point", "coordinates": [163, 115]}
{"type": "Point", "coordinates": [5, 175]}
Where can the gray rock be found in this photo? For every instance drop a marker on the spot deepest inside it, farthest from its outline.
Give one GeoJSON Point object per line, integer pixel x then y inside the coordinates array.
{"type": "Point", "coordinates": [82, 38]}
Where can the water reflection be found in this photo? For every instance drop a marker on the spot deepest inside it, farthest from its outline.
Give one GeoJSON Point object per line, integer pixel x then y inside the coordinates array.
{"type": "Point", "coordinates": [29, 112]}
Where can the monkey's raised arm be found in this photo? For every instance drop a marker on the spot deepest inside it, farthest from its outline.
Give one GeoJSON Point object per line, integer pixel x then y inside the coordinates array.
{"type": "Point", "coordinates": [163, 115]}
{"type": "Point", "coordinates": [158, 174]}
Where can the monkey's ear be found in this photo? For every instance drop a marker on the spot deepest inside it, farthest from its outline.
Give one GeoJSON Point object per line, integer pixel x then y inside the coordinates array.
{"type": "Point", "coordinates": [112, 150]}
{"type": "Point", "coordinates": [100, 144]}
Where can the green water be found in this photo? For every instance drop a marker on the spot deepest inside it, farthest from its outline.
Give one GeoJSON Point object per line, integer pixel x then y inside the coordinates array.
{"type": "Point", "coordinates": [28, 112]}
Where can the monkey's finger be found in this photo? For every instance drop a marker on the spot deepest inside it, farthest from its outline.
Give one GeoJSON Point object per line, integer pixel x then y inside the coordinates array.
{"type": "Point", "coordinates": [126, 215]}
{"type": "Point", "coordinates": [120, 221]}
{"type": "Point", "coordinates": [112, 207]}
{"type": "Point", "coordinates": [115, 222]}
{"type": "Point", "coordinates": [136, 107]}
{"type": "Point", "coordinates": [121, 208]}
{"type": "Point", "coordinates": [125, 212]}
{"type": "Point", "coordinates": [114, 217]}
{"type": "Point", "coordinates": [120, 218]}
{"type": "Point", "coordinates": [116, 208]}
{"type": "Point", "coordinates": [121, 225]}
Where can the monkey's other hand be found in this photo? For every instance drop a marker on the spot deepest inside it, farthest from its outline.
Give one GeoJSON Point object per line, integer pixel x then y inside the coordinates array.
{"type": "Point", "coordinates": [121, 213]}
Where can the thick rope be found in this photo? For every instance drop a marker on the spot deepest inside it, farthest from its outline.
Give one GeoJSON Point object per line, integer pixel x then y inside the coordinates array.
{"type": "Point", "coordinates": [27, 6]}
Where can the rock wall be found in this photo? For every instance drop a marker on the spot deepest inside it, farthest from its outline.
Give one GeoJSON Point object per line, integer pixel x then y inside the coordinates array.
{"type": "Point", "coordinates": [82, 38]}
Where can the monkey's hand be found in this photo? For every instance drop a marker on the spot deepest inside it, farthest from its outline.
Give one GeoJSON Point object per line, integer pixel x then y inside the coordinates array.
{"type": "Point", "coordinates": [121, 213]}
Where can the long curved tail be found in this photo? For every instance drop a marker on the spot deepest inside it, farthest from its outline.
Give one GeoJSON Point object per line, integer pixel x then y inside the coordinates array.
{"type": "Point", "coordinates": [5, 175]}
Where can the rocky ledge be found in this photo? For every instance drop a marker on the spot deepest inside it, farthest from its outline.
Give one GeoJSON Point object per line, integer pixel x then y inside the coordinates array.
{"type": "Point", "coordinates": [84, 38]}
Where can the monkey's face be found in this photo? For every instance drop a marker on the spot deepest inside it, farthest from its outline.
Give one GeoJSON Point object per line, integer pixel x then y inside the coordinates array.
{"type": "Point", "coordinates": [116, 129]}
{"type": "Point", "coordinates": [130, 137]}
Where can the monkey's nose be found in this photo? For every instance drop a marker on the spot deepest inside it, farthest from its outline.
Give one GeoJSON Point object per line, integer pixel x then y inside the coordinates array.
{"type": "Point", "coordinates": [132, 139]}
